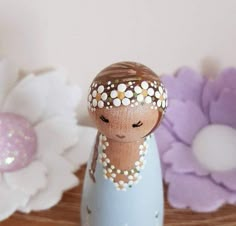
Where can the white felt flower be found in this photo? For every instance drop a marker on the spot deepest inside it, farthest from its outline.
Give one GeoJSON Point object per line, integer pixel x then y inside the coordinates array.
{"type": "Point", "coordinates": [46, 106]}
{"type": "Point", "coordinates": [121, 95]}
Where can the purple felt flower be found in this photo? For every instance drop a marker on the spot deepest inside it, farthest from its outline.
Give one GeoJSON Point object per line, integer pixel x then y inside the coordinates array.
{"type": "Point", "coordinates": [197, 140]}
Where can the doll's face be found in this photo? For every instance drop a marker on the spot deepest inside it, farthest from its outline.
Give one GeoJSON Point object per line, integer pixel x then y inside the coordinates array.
{"type": "Point", "coordinates": [126, 124]}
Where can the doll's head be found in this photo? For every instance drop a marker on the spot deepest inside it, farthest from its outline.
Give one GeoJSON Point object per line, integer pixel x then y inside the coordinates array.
{"type": "Point", "coordinates": [127, 101]}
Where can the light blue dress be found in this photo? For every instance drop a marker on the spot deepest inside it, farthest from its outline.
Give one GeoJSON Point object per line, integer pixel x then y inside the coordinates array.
{"type": "Point", "coordinates": [140, 205]}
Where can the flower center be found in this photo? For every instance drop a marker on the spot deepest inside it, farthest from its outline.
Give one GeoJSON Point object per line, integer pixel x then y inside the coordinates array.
{"type": "Point", "coordinates": [144, 92]}
{"type": "Point", "coordinates": [215, 148]}
{"type": "Point", "coordinates": [161, 98]}
{"type": "Point", "coordinates": [18, 142]}
{"type": "Point", "coordinates": [98, 97]}
{"type": "Point", "coordinates": [121, 95]}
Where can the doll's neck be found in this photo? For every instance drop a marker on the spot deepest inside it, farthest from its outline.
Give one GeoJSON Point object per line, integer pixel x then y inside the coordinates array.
{"type": "Point", "coordinates": [120, 150]}
{"type": "Point", "coordinates": [122, 157]}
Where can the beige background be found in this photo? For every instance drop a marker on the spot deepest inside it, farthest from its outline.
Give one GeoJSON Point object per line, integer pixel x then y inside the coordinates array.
{"type": "Point", "coordinates": [84, 35]}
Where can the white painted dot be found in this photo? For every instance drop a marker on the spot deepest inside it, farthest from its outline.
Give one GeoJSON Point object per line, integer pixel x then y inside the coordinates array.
{"type": "Point", "coordinates": [95, 103]}
{"type": "Point", "coordinates": [117, 102]}
{"type": "Point", "coordinates": [159, 103]}
{"type": "Point", "coordinates": [166, 102]}
{"type": "Point", "coordinates": [214, 147]}
{"type": "Point", "coordinates": [144, 85]}
{"type": "Point", "coordinates": [163, 104]}
{"type": "Point", "coordinates": [121, 87]}
{"type": "Point", "coordinates": [160, 89]}
{"type": "Point", "coordinates": [129, 94]}
{"type": "Point", "coordinates": [150, 91]}
{"type": "Point", "coordinates": [100, 89]}
{"type": "Point", "coordinates": [104, 96]}
{"type": "Point", "coordinates": [126, 101]}
{"type": "Point", "coordinates": [165, 95]}
{"type": "Point", "coordinates": [100, 104]}
{"type": "Point", "coordinates": [94, 93]}
{"type": "Point", "coordinates": [140, 98]}
{"type": "Point", "coordinates": [90, 97]}
{"type": "Point", "coordinates": [157, 94]}
{"type": "Point", "coordinates": [114, 94]}
{"type": "Point", "coordinates": [148, 100]}
{"type": "Point", "coordinates": [137, 89]}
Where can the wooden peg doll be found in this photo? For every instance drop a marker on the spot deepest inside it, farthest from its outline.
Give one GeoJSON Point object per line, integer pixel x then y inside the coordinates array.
{"type": "Point", "coordinates": [123, 182]}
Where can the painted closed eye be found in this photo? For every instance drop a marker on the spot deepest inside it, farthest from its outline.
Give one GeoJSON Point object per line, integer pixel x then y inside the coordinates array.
{"type": "Point", "coordinates": [138, 124]}
{"type": "Point", "coordinates": [104, 119]}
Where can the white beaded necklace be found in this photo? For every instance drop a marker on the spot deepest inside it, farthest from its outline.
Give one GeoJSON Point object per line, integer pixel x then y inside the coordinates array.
{"type": "Point", "coordinates": [110, 171]}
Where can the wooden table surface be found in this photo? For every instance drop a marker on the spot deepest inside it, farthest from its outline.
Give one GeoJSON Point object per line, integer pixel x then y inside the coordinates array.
{"type": "Point", "coordinates": [67, 213]}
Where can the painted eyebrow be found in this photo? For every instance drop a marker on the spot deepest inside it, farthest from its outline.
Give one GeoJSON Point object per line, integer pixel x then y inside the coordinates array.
{"type": "Point", "coordinates": [104, 119]}
{"type": "Point", "coordinates": [138, 124]}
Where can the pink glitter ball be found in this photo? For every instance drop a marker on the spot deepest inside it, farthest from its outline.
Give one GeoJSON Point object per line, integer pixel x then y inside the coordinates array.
{"type": "Point", "coordinates": [18, 142]}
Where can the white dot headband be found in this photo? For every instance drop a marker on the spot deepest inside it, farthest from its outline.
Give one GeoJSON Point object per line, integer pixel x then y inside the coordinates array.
{"type": "Point", "coordinates": [131, 93]}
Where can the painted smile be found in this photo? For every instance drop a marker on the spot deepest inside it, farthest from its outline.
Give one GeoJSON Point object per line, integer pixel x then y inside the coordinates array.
{"type": "Point", "coordinates": [120, 136]}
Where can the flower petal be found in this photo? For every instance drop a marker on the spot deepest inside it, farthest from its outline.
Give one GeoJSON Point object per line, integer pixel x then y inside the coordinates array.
{"type": "Point", "coordinates": [8, 78]}
{"type": "Point", "coordinates": [223, 110]}
{"type": "Point", "coordinates": [200, 194]}
{"type": "Point", "coordinates": [121, 87]}
{"type": "Point", "coordinates": [11, 200]}
{"type": "Point", "coordinates": [56, 135]}
{"type": "Point", "coordinates": [180, 113]}
{"type": "Point", "coordinates": [95, 102]}
{"type": "Point", "coordinates": [185, 85]}
{"type": "Point", "coordinates": [28, 180]}
{"type": "Point", "coordinates": [62, 98]}
{"type": "Point", "coordinates": [148, 100]}
{"type": "Point", "coordinates": [101, 88]}
{"type": "Point", "coordinates": [28, 98]}
{"type": "Point", "coordinates": [182, 160]}
{"type": "Point", "coordinates": [94, 93]}
{"type": "Point", "coordinates": [60, 179]}
{"type": "Point", "coordinates": [164, 140]}
{"type": "Point", "coordinates": [140, 98]}
{"type": "Point", "coordinates": [104, 96]}
{"type": "Point", "coordinates": [138, 89]}
{"type": "Point", "coordinates": [150, 91]}
{"type": "Point", "coordinates": [144, 85]}
{"type": "Point", "coordinates": [117, 102]}
{"type": "Point", "coordinates": [126, 101]}
{"type": "Point", "coordinates": [79, 154]}
{"type": "Point", "coordinates": [228, 179]}
{"type": "Point", "coordinates": [129, 93]}
{"type": "Point", "coordinates": [212, 89]}
{"type": "Point", "coordinates": [100, 104]}
{"type": "Point", "coordinates": [114, 94]}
